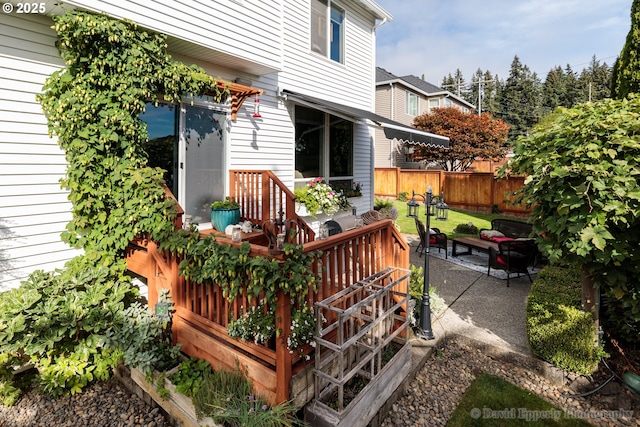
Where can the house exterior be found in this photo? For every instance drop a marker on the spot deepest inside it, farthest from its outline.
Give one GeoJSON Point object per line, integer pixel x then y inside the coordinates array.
{"type": "Point", "coordinates": [402, 99]}
{"type": "Point", "coordinates": [312, 61]}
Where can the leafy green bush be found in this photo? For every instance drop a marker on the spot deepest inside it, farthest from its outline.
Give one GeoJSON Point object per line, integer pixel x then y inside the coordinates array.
{"type": "Point", "coordinates": [560, 332]}
{"type": "Point", "coordinates": [58, 322]}
{"type": "Point", "coordinates": [468, 228]}
{"type": "Point", "coordinates": [416, 287]}
{"type": "Point", "coordinates": [144, 338]}
{"type": "Point", "coordinates": [379, 204]}
{"type": "Point", "coordinates": [583, 181]}
{"type": "Point", "coordinates": [190, 375]}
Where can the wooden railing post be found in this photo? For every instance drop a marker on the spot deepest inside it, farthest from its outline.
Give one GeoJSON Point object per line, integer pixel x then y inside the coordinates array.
{"type": "Point", "coordinates": [283, 357]}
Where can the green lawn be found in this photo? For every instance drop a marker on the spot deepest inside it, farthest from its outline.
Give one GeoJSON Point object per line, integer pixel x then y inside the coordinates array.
{"type": "Point", "coordinates": [492, 401]}
{"type": "Point", "coordinates": [480, 220]}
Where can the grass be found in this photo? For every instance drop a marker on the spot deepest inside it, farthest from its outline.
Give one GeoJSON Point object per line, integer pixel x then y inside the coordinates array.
{"type": "Point", "coordinates": [492, 401]}
{"type": "Point", "coordinates": [480, 220]}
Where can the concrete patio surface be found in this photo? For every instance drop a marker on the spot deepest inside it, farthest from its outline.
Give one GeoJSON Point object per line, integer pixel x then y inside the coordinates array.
{"type": "Point", "coordinates": [479, 306]}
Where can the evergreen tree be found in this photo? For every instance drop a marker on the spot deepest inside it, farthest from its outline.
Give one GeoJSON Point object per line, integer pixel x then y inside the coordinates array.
{"type": "Point", "coordinates": [448, 82]}
{"type": "Point", "coordinates": [492, 93]}
{"type": "Point", "coordinates": [572, 91]}
{"type": "Point", "coordinates": [554, 90]}
{"type": "Point", "coordinates": [600, 80]}
{"type": "Point", "coordinates": [626, 70]}
{"type": "Point", "coordinates": [476, 89]}
{"type": "Point", "coordinates": [520, 99]}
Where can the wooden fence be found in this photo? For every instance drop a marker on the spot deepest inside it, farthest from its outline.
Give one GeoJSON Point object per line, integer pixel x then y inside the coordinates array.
{"type": "Point", "coordinates": [476, 191]}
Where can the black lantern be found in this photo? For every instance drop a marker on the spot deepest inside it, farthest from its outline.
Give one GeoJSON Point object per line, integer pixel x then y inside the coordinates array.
{"type": "Point", "coordinates": [442, 209]}
{"type": "Point", "coordinates": [413, 207]}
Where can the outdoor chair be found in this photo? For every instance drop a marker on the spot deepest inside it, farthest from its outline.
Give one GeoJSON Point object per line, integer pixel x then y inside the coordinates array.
{"type": "Point", "coordinates": [513, 256]}
{"type": "Point", "coordinates": [437, 239]}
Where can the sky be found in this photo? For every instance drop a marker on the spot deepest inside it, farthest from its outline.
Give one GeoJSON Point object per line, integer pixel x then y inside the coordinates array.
{"type": "Point", "coordinates": [436, 37]}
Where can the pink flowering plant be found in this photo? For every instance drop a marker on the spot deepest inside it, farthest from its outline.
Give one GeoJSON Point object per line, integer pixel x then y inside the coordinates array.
{"type": "Point", "coordinates": [318, 196]}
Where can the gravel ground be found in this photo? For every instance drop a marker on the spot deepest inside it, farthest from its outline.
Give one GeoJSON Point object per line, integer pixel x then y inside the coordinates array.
{"type": "Point", "coordinates": [103, 404]}
{"type": "Point", "coordinates": [433, 395]}
{"type": "Point", "coordinates": [429, 400]}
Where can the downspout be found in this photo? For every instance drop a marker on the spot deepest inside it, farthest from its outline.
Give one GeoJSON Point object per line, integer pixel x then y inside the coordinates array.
{"type": "Point", "coordinates": [392, 153]}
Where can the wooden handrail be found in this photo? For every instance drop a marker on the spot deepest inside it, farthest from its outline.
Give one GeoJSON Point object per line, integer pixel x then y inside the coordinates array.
{"type": "Point", "coordinates": [263, 196]}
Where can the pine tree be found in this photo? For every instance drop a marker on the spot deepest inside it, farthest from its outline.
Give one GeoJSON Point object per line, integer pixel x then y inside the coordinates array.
{"type": "Point", "coordinates": [554, 90]}
{"type": "Point", "coordinates": [600, 79]}
{"type": "Point", "coordinates": [521, 98]}
{"type": "Point", "coordinates": [626, 70]}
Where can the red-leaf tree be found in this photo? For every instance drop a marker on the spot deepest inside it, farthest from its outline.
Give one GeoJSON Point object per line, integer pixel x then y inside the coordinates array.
{"type": "Point", "coordinates": [470, 135]}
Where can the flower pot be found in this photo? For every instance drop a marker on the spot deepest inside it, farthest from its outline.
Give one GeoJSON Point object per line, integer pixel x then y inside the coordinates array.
{"type": "Point", "coordinates": [221, 218]}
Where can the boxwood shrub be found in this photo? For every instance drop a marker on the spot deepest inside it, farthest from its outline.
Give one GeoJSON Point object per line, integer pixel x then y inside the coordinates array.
{"type": "Point", "coordinates": [560, 332]}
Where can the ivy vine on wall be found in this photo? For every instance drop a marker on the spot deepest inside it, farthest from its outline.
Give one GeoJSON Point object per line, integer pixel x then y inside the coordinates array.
{"type": "Point", "coordinates": [93, 105]}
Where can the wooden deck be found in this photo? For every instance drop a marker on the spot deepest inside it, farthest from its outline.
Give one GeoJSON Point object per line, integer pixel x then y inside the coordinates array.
{"type": "Point", "coordinates": [203, 314]}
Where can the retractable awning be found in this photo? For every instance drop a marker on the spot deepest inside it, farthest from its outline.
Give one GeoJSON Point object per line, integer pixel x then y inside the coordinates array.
{"type": "Point", "coordinates": [392, 129]}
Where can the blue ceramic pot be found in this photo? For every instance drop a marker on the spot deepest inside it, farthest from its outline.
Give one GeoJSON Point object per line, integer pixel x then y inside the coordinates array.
{"type": "Point", "coordinates": [221, 218]}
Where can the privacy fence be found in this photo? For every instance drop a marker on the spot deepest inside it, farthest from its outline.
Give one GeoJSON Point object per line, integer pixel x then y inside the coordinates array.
{"type": "Point", "coordinates": [475, 191]}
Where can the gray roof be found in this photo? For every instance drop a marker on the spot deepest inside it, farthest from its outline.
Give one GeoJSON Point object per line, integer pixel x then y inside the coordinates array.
{"type": "Point", "coordinates": [384, 77]}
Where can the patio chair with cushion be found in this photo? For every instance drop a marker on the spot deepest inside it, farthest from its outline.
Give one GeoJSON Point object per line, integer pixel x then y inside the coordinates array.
{"type": "Point", "coordinates": [513, 256]}
{"type": "Point", "coordinates": [436, 239]}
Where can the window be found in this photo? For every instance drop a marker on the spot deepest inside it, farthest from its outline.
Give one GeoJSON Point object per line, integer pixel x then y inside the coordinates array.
{"type": "Point", "coordinates": [447, 102]}
{"type": "Point", "coordinates": [187, 141]}
{"type": "Point", "coordinates": [324, 147]}
{"type": "Point", "coordinates": [434, 103]}
{"type": "Point", "coordinates": [412, 104]}
{"type": "Point", "coordinates": [327, 29]}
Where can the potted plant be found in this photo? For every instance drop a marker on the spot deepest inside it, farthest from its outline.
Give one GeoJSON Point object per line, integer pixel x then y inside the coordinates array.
{"type": "Point", "coordinates": [224, 213]}
{"type": "Point", "coordinates": [318, 196]}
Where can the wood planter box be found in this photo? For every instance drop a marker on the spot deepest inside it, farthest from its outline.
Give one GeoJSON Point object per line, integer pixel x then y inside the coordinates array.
{"type": "Point", "coordinates": [177, 405]}
{"type": "Point", "coordinates": [361, 410]}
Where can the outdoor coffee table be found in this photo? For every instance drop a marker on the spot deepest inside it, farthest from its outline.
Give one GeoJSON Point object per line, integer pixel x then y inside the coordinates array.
{"type": "Point", "coordinates": [471, 243]}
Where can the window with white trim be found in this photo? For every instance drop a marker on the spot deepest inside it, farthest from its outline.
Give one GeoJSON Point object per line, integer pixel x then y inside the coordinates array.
{"type": "Point", "coordinates": [327, 29]}
{"type": "Point", "coordinates": [434, 103]}
{"type": "Point", "coordinates": [411, 106]}
{"type": "Point", "coordinates": [324, 148]}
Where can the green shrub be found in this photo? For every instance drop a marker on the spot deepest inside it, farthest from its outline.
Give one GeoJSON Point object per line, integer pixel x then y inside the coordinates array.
{"type": "Point", "coordinates": [403, 196]}
{"type": "Point", "coordinates": [379, 204]}
{"type": "Point", "coordinates": [468, 228]}
{"type": "Point", "coordinates": [416, 287]}
{"type": "Point", "coordinates": [560, 332]}
{"type": "Point", "coordinates": [190, 375]}
{"type": "Point", "coordinates": [58, 322]}
{"type": "Point", "coordinates": [144, 339]}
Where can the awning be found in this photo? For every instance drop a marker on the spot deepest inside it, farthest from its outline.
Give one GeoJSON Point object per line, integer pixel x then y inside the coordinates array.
{"type": "Point", "coordinates": [392, 129]}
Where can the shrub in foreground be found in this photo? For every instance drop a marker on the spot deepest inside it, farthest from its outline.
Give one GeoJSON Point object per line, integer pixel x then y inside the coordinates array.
{"type": "Point", "coordinates": [560, 332]}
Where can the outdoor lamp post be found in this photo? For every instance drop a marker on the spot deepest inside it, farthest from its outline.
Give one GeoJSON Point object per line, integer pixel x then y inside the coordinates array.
{"type": "Point", "coordinates": [425, 309]}
{"type": "Point", "coordinates": [413, 207]}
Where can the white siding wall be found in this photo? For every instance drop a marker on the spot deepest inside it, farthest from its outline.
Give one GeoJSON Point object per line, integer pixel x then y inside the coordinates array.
{"type": "Point", "coordinates": [33, 208]}
{"type": "Point", "coordinates": [351, 83]}
{"type": "Point", "coordinates": [234, 31]}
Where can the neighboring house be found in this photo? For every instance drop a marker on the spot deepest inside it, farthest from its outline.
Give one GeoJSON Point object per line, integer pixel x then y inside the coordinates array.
{"type": "Point", "coordinates": [402, 99]}
{"type": "Point", "coordinates": [313, 60]}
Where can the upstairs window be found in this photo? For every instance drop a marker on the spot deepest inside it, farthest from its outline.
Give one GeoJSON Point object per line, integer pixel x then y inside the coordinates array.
{"type": "Point", "coordinates": [412, 104]}
{"type": "Point", "coordinates": [327, 29]}
{"type": "Point", "coordinates": [434, 103]}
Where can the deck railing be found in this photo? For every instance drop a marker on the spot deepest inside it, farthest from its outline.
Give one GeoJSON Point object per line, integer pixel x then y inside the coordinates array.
{"type": "Point", "coordinates": [262, 196]}
{"type": "Point", "coordinates": [202, 314]}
